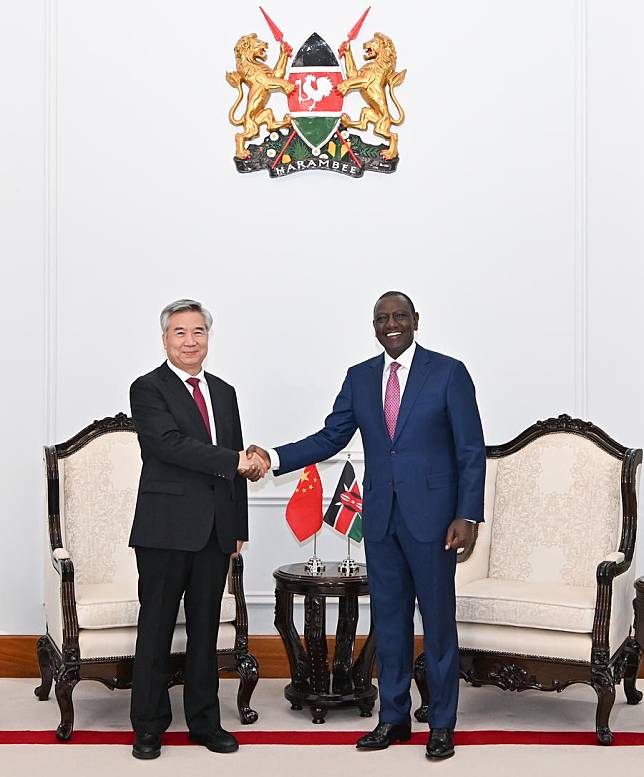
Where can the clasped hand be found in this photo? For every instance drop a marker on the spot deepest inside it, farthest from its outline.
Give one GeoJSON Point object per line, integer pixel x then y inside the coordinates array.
{"type": "Point", "coordinates": [254, 463]}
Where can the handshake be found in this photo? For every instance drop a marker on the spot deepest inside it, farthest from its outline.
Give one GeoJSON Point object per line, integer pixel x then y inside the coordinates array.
{"type": "Point", "coordinates": [254, 463]}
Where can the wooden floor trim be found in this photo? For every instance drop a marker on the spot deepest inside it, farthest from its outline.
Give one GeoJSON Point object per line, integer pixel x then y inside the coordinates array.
{"type": "Point", "coordinates": [18, 655]}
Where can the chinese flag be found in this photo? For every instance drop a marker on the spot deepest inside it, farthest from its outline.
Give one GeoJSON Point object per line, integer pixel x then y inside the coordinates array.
{"type": "Point", "coordinates": [304, 509]}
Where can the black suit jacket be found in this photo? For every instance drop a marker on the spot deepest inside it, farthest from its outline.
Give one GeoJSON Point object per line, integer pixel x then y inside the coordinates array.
{"type": "Point", "coordinates": [187, 483]}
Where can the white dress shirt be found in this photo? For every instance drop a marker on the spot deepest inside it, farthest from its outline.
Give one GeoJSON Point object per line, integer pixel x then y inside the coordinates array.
{"type": "Point", "coordinates": [404, 360]}
{"type": "Point", "coordinates": [203, 387]}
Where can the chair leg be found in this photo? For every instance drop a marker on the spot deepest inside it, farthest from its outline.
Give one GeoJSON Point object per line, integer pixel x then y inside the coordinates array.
{"type": "Point", "coordinates": [633, 661]}
{"type": "Point", "coordinates": [65, 684]}
{"type": "Point", "coordinates": [420, 677]}
{"type": "Point", "coordinates": [46, 669]}
{"type": "Point", "coordinates": [248, 670]}
{"type": "Point", "coordinates": [604, 685]}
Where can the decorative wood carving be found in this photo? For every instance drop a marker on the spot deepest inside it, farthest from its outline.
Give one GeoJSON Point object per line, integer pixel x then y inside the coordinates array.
{"type": "Point", "coordinates": [309, 668]}
{"type": "Point", "coordinates": [247, 668]}
{"type": "Point", "coordinates": [344, 641]}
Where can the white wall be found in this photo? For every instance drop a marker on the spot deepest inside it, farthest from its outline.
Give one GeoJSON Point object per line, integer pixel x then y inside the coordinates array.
{"type": "Point", "coordinates": [22, 241]}
{"type": "Point", "coordinates": [514, 222]}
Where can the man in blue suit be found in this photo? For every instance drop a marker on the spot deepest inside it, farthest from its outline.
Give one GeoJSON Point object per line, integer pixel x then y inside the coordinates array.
{"type": "Point", "coordinates": [423, 492]}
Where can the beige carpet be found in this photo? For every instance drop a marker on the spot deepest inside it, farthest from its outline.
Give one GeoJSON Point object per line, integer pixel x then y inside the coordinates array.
{"type": "Point", "coordinates": [99, 709]}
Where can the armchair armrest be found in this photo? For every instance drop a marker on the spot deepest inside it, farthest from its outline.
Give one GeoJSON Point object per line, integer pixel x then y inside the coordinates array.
{"type": "Point", "coordinates": [607, 630]}
{"type": "Point", "coordinates": [63, 564]}
{"type": "Point", "coordinates": [241, 613]}
{"type": "Point", "coordinates": [58, 555]}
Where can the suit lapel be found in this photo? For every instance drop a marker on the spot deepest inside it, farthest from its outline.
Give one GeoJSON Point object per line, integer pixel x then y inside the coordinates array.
{"type": "Point", "coordinates": [218, 401]}
{"type": "Point", "coordinates": [375, 394]}
{"type": "Point", "coordinates": [418, 373]}
{"type": "Point", "coordinates": [182, 396]}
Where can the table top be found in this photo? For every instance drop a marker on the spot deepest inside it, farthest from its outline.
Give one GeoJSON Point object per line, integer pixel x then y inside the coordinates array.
{"type": "Point", "coordinates": [294, 577]}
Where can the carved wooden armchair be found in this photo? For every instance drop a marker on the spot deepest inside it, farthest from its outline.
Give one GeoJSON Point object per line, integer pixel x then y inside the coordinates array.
{"type": "Point", "coordinates": [91, 602]}
{"type": "Point", "coordinates": [545, 598]}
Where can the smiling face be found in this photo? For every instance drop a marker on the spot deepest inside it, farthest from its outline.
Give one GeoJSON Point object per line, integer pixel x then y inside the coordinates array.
{"type": "Point", "coordinates": [394, 323]}
{"type": "Point", "coordinates": [186, 341]}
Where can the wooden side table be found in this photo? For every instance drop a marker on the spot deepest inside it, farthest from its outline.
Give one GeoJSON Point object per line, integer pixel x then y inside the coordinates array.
{"type": "Point", "coordinates": [312, 684]}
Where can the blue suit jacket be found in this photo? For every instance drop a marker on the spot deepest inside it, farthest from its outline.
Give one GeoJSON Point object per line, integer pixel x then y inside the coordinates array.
{"type": "Point", "coordinates": [436, 462]}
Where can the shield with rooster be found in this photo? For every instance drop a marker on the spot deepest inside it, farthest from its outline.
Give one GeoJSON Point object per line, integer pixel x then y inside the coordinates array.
{"type": "Point", "coordinates": [315, 104]}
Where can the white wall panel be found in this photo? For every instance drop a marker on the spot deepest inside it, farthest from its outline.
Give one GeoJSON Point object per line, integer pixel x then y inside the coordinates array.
{"type": "Point", "coordinates": [22, 31]}
{"type": "Point", "coordinates": [615, 224]}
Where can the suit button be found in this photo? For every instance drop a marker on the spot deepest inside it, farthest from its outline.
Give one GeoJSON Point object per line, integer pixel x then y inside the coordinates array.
{"type": "Point", "coordinates": [393, 453]}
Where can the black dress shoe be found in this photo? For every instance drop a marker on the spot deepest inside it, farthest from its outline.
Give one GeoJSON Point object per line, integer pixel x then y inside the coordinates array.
{"type": "Point", "coordinates": [147, 746]}
{"type": "Point", "coordinates": [383, 735]}
{"type": "Point", "coordinates": [219, 741]}
{"type": "Point", "coordinates": [441, 743]}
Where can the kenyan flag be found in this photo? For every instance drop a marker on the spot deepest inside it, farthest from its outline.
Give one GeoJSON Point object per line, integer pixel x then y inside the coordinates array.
{"type": "Point", "coordinates": [315, 104]}
{"type": "Point", "coordinates": [345, 511]}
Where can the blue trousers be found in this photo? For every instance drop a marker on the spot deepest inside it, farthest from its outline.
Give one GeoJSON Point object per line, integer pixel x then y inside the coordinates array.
{"type": "Point", "coordinates": [401, 570]}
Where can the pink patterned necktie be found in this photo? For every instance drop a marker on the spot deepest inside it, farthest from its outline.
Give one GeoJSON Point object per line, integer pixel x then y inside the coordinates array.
{"type": "Point", "coordinates": [392, 399]}
{"type": "Point", "coordinates": [200, 402]}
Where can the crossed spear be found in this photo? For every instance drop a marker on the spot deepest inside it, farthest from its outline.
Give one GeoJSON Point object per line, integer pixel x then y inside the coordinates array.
{"type": "Point", "coordinates": [279, 37]}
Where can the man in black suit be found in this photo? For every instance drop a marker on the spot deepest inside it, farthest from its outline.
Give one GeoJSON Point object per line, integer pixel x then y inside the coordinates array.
{"type": "Point", "coordinates": [191, 515]}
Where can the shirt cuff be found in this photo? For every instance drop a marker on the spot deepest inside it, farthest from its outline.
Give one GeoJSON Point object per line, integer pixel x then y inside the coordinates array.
{"type": "Point", "coordinates": [275, 459]}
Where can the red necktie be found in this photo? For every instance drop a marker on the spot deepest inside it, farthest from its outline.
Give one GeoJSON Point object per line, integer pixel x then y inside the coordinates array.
{"type": "Point", "coordinates": [200, 402]}
{"type": "Point", "coordinates": [392, 399]}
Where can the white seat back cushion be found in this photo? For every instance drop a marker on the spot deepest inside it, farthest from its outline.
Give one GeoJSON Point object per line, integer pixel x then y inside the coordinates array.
{"type": "Point", "coordinates": [99, 493]}
{"type": "Point", "coordinates": [556, 511]}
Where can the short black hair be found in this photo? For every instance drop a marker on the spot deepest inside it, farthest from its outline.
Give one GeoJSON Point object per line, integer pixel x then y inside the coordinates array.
{"type": "Point", "coordinates": [397, 294]}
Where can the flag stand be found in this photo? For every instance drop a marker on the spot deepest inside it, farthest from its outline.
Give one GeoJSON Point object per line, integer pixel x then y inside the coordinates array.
{"type": "Point", "coordinates": [315, 566]}
{"type": "Point", "coordinates": [349, 566]}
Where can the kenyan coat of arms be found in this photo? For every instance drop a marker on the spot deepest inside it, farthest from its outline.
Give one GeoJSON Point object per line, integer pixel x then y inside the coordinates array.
{"type": "Point", "coordinates": [315, 134]}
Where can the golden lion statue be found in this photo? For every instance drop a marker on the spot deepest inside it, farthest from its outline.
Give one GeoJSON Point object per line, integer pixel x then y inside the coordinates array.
{"type": "Point", "coordinates": [250, 53]}
{"type": "Point", "coordinates": [372, 80]}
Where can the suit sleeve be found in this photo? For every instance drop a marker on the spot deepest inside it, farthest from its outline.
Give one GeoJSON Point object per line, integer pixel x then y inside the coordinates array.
{"type": "Point", "coordinates": [468, 443]}
{"type": "Point", "coordinates": [160, 436]}
{"type": "Point", "coordinates": [339, 427]}
{"type": "Point", "coordinates": [241, 484]}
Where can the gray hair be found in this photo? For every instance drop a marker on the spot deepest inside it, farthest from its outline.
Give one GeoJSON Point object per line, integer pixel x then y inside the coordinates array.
{"type": "Point", "coordinates": [180, 306]}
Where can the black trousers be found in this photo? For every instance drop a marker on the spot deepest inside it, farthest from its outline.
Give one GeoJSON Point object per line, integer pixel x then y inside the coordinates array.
{"type": "Point", "coordinates": [164, 577]}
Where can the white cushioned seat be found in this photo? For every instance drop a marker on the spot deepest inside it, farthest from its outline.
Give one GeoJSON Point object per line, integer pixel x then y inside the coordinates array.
{"type": "Point", "coordinates": [532, 605]}
{"type": "Point", "coordinates": [119, 643]}
{"type": "Point", "coordinates": [524, 642]}
{"type": "Point", "coordinates": [115, 605]}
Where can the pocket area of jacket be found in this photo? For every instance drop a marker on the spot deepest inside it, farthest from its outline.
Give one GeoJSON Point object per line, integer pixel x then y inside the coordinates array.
{"type": "Point", "coordinates": [441, 480]}
{"type": "Point", "coordinates": [161, 487]}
